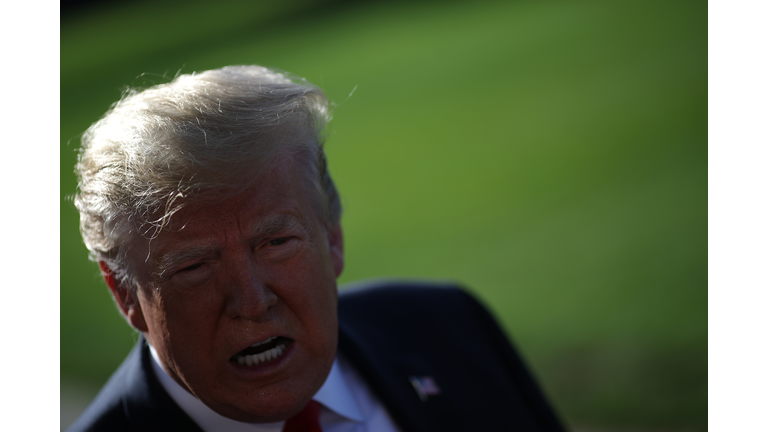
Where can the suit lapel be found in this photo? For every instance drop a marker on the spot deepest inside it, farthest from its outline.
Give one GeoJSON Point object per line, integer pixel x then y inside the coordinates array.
{"type": "Point", "coordinates": [146, 404]}
{"type": "Point", "coordinates": [390, 375]}
{"type": "Point", "coordinates": [438, 334]}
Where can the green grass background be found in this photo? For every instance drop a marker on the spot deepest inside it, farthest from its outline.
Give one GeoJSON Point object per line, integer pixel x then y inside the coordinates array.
{"type": "Point", "coordinates": [551, 156]}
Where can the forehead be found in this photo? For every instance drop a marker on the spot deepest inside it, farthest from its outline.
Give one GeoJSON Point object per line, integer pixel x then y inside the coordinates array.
{"type": "Point", "coordinates": [279, 199]}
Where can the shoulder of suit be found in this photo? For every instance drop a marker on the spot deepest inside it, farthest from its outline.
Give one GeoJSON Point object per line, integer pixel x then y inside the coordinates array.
{"type": "Point", "coordinates": [383, 290]}
{"type": "Point", "coordinates": [393, 302]}
{"type": "Point", "coordinates": [107, 410]}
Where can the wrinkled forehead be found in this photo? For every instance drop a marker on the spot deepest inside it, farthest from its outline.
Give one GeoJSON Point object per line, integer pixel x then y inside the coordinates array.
{"type": "Point", "coordinates": [205, 191]}
{"type": "Point", "coordinates": [281, 196]}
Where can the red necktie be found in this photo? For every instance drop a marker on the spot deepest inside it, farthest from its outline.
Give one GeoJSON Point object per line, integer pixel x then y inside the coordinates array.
{"type": "Point", "coordinates": [308, 420]}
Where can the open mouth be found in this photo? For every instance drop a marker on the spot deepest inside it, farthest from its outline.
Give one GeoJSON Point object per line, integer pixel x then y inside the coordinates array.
{"type": "Point", "coordinates": [261, 352]}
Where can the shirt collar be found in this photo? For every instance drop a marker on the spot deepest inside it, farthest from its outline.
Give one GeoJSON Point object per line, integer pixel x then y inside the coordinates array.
{"type": "Point", "coordinates": [335, 395]}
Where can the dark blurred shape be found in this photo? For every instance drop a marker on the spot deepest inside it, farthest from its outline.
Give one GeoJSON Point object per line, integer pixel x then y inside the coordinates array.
{"type": "Point", "coordinates": [71, 7]}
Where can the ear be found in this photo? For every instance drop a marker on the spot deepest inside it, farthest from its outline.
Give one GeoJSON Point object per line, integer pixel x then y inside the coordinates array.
{"type": "Point", "coordinates": [125, 299]}
{"type": "Point", "coordinates": [336, 247]}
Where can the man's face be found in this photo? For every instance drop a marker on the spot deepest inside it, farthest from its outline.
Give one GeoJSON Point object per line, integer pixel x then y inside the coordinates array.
{"type": "Point", "coordinates": [226, 276]}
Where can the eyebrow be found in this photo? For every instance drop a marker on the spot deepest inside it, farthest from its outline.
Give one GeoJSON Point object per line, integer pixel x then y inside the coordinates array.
{"type": "Point", "coordinates": [266, 228]}
{"type": "Point", "coordinates": [276, 224]}
{"type": "Point", "coordinates": [170, 260]}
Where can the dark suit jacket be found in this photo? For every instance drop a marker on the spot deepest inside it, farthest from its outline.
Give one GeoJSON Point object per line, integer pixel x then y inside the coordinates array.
{"type": "Point", "coordinates": [389, 332]}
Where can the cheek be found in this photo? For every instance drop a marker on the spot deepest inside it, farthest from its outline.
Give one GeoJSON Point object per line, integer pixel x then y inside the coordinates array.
{"type": "Point", "coordinates": [194, 317]}
{"type": "Point", "coordinates": [152, 310]}
{"type": "Point", "coordinates": [323, 331]}
{"type": "Point", "coordinates": [190, 339]}
{"type": "Point", "coordinates": [326, 313]}
{"type": "Point", "coordinates": [188, 322]}
{"type": "Point", "coordinates": [312, 297]}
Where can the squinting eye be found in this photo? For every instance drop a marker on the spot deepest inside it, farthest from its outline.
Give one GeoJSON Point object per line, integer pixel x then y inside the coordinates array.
{"type": "Point", "coordinates": [192, 267]}
{"type": "Point", "coordinates": [278, 241]}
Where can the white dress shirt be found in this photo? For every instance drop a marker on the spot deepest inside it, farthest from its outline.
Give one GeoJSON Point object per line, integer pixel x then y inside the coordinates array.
{"type": "Point", "coordinates": [348, 405]}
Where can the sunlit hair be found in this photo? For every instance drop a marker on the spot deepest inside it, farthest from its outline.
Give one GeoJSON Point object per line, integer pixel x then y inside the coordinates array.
{"type": "Point", "coordinates": [200, 137]}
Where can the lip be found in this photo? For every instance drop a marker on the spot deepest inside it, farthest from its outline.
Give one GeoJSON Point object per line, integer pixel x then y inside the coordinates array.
{"type": "Point", "coordinates": [258, 341]}
{"type": "Point", "coordinates": [267, 368]}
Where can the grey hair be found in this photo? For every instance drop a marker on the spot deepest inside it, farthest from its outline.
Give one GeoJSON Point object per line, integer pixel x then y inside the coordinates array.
{"type": "Point", "coordinates": [188, 140]}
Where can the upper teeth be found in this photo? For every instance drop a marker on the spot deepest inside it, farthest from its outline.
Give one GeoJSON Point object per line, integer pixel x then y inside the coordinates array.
{"type": "Point", "coordinates": [268, 340]}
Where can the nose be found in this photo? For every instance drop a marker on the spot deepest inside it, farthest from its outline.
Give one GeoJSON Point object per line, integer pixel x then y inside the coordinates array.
{"type": "Point", "coordinates": [249, 297]}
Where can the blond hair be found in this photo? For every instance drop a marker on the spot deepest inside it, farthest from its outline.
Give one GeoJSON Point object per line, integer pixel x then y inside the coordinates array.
{"type": "Point", "coordinates": [195, 138]}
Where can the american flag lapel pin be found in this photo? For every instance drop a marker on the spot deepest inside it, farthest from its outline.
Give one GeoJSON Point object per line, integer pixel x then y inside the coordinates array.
{"type": "Point", "coordinates": [425, 386]}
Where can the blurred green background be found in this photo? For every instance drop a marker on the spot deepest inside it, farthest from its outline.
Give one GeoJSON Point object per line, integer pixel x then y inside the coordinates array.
{"type": "Point", "coordinates": [551, 156]}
